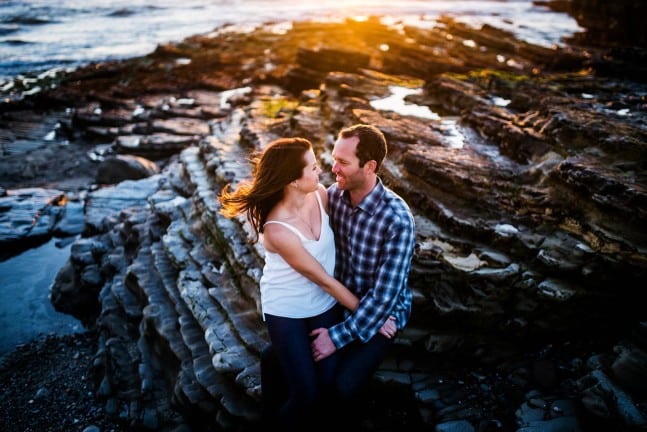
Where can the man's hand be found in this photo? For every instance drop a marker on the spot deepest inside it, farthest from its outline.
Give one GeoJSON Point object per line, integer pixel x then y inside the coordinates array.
{"type": "Point", "coordinates": [322, 345]}
{"type": "Point", "coordinates": [389, 328]}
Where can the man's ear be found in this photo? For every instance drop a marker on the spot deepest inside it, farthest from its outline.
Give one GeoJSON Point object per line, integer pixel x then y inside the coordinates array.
{"type": "Point", "coordinates": [370, 165]}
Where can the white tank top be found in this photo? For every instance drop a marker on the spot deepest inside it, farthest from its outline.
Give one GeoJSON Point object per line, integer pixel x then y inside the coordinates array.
{"type": "Point", "coordinates": [287, 293]}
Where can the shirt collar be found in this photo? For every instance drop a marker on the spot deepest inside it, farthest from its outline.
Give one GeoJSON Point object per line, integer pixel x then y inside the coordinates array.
{"type": "Point", "coordinates": [371, 201]}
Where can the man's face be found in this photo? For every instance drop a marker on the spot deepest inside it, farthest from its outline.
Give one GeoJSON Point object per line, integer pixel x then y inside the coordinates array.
{"type": "Point", "coordinates": [348, 173]}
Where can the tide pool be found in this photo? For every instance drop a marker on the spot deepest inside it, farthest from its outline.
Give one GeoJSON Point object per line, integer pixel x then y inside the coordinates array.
{"type": "Point", "coordinates": [26, 312]}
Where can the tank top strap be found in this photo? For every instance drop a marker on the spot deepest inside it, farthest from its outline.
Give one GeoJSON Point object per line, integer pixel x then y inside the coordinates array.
{"type": "Point", "coordinates": [321, 207]}
{"type": "Point", "coordinates": [324, 214]}
{"type": "Point", "coordinates": [288, 226]}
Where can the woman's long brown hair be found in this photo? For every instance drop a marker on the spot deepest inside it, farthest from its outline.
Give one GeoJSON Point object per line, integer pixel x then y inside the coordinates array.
{"type": "Point", "coordinates": [279, 164]}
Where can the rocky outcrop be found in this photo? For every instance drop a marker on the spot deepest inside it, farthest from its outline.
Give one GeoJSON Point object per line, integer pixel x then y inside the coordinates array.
{"type": "Point", "coordinates": [527, 186]}
{"type": "Point", "coordinates": [31, 216]}
{"type": "Point", "coordinates": [115, 169]}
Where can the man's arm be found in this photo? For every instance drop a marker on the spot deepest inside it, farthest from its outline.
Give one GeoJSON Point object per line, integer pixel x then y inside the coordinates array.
{"type": "Point", "coordinates": [323, 347]}
{"type": "Point", "coordinates": [387, 296]}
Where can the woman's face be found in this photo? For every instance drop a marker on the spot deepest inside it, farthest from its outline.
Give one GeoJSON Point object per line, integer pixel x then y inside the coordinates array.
{"type": "Point", "coordinates": [309, 180]}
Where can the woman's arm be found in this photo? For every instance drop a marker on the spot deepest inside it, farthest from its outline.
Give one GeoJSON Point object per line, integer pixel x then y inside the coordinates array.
{"type": "Point", "coordinates": [281, 240]}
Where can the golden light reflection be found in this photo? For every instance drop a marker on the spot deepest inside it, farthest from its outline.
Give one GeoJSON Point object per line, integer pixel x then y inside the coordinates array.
{"type": "Point", "coordinates": [396, 102]}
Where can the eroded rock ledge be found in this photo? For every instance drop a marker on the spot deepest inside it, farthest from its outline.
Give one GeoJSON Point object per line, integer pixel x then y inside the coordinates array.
{"type": "Point", "coordinates": [528, 191]}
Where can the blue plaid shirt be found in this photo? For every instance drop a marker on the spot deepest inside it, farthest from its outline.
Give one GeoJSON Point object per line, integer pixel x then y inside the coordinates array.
{"type": "Point", "coordinates": [375, 243]}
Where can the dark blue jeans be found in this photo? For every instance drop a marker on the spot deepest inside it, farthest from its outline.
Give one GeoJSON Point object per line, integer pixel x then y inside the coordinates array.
{"type": "Point", "coordinates": [292, 383]}
{"type": "Point", "coordinates": [357, 364]}
{"type": "Point", "coordinates": [340, 381]}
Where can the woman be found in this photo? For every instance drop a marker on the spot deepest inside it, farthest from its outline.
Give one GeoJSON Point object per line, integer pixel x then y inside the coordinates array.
{"type": "Point", "coordinates": [285, 202]}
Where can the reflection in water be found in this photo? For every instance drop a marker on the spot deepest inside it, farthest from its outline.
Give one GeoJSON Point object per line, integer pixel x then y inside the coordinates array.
{"type": "Point", "coordinates": [25, 309]}
{"type": "Point", "coordinates": [453, 137]}
{"type": "Point", "coordinates": [499, 101]}
{"type": "Point", "coordinates": [396, 103]}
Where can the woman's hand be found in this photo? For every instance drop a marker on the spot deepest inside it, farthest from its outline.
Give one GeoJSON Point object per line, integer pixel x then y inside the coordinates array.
{"type": "Point", "coordinates": [389, 328]}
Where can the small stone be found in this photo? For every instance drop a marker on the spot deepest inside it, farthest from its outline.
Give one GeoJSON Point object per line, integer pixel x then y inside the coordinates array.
{"type": "Point", "coordinates": [42, 393]}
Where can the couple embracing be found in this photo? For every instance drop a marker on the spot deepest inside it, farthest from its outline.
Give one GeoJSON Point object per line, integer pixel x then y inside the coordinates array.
{"type": "Point", "coordinates": [334, 289]}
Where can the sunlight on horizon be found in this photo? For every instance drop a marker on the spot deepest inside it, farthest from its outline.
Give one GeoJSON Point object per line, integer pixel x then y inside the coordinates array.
{"type": "Point", "coordinates": [73, 32]}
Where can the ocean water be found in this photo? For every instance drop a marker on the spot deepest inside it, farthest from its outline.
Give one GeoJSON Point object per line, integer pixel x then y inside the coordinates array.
{"type": "Point", "coordinates": [42, 35]}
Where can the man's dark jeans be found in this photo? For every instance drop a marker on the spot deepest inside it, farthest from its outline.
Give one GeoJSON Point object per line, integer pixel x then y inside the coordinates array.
{"type": "Point", "coordinates": [356, 364]}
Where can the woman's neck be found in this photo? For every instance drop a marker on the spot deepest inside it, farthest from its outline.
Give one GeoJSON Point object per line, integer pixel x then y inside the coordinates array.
{"type": "Point", "coordinates": [295, 202]}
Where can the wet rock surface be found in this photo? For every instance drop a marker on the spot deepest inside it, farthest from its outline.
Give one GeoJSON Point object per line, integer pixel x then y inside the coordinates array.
{"type": "Point", "coordinates": [528, 189]}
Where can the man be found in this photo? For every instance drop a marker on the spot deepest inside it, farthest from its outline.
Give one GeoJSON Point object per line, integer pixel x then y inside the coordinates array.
{"type": "Point", "coordinates": [375, 240]}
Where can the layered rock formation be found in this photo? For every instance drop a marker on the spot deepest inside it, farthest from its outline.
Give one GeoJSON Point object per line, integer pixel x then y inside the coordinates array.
{"type": "Point", "coordinates": [527, 184]}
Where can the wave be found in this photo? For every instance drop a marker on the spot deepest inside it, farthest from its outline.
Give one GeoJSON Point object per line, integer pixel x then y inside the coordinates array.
{"type": "Point", "coordinates": [122, 13]}
{"type": "Point", "coordinates": [30, 20]}
{"type": "Point", "coordinates": [6, 29]}
{"type": "Point", "coordinates": [130, 11]}
{"type": "Point", "coordinates": [14, 42]}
